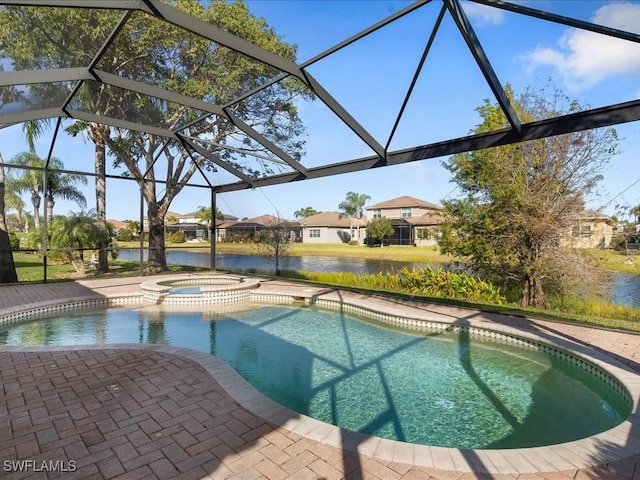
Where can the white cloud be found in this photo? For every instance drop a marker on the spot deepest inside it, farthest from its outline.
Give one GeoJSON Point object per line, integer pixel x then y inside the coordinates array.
{"type": "Point", "coordinates": [483, 15]}
{"type": "Point", "coordinates": [584, 59]}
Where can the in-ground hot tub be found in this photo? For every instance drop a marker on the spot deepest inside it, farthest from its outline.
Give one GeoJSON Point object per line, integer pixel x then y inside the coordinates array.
{"type": "Point", "coordinates": [222, 289]}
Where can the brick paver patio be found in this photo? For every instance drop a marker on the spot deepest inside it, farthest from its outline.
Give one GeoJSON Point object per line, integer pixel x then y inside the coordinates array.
{"type": "Point", "coordinates": [134, 412]}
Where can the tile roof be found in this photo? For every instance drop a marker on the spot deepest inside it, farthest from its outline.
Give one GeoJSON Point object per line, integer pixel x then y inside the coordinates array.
{"type": "Point", "coordinates": [426, 219]}
{"type": "Point", "coordinates": [265, 220]}
{"type": "Point", "coordinates": [404, 201]}
{"type": "Point", "coordinates": [118, 223]}
{"type": "Point", "coordinates": [330, 219]}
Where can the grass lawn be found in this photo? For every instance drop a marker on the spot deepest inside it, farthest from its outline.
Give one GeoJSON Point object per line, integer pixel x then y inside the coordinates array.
{"type": "Point", "coordinates": [616, 261]}
{"type": "Point", "coordinates": [30, 269]}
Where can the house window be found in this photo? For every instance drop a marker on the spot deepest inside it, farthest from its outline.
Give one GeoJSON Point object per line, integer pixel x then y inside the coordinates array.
{"type": "Point", "coordinates": [427, 233]}
{"type": "Point", "coordinates": [406, 212]}
{"type": "Point", "coordinates": [314, 233]}
{"type": "Point", "coordinates": [581, 231]}
{"type": "Point", "coordinates": [377, 213]}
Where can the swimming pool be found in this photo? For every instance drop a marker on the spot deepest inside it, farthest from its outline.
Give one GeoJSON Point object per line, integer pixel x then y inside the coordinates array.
{"type": "Point", "coordinates": [445, 389]}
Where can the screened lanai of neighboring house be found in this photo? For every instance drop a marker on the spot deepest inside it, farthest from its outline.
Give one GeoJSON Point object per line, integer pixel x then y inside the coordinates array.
{"type": "Point", "coordinates": [171, 100]}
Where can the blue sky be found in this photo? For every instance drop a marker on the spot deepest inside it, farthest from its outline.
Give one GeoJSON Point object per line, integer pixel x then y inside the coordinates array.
{"type": "Point", "coordinates": [370, 78]}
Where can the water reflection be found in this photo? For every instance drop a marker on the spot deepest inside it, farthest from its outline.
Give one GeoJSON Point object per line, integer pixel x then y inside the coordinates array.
{"type": "Point", "coordinates": [626, 290]}
{"type": "Point", "coordinates": [236, 262]}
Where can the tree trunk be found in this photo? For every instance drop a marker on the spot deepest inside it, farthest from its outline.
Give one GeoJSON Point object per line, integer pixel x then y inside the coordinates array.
{"type": "Point", "coordinates": [157, 259]}
{"type": "Point", "coordinates": [532, 293]}
{"type": "Point", "coordinates": [8, 272]}
{"type": "Point", "coordinates": [101, 193]}
{"type": "Point", "coordinates": [35, 200]}
{"type": "Point", "coordinates": [49, 203]}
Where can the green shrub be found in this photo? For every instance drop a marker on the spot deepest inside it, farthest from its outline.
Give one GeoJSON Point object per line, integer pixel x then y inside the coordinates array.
{"type": "Point", "coordinates": [445, 283]}
{"type": "Point", "coordinates": [125, 235]}
{"type": "Point", "coordinates": [426, 282]}
{"type": "Point", "coordinates": [14, 241]}
{"type": "Point", "coordinates": [175, 237]}
{"type": "Point", "coordinates": [595, 307]}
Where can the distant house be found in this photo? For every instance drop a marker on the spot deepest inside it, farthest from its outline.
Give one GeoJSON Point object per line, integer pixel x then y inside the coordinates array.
{"type": "Point", "coordinates": [414, 221]}
{"type": "Point", "coordinates": [117, 224]}
{"type": "Point", "coordinates": [246, 230]}
{"type": "Point", "coordinates": [590, 230]}
{"type": "Point", "coordinates": [193, 227]}
{"type": "Point", "coordinates": [222, 225]}
{"type": "Point", "coordinates": [330, 227]}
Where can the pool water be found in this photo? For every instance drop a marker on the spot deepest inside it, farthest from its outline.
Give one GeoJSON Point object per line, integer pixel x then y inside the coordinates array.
{"type": "Point", "coordinates": [185, 290]}
{"type": "Point", "coordinates": [442, 389]}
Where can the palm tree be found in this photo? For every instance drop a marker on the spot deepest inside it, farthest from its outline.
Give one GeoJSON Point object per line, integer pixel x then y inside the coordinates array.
{"type": "Point", "coordinates": [29, 181]}
{"type": "Point", "coordinates": [12, 201]}
{"type": "Point", "coordinates": [353, 207]}
{"type": "Point", "coordinates": [635, 211]}
{"type": "Point", "coordinates": [204, 214]}
{"type": "Point", "coordinates": [73, 235]}
{"type": "Point", "coordinates": [354, 203]}
{"type": "Point", "coordinates": [59, 184]}
{"type": "Point", "coordinates": [305, 212]}
{"type": "Point", "coordinates": [62, 185]}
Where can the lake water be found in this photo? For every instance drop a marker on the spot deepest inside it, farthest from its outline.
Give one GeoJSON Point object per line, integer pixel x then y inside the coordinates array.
{"type": "Point", "coordinates": [236, 262]}
{"type": "Point", "coordinates": [625, 288]}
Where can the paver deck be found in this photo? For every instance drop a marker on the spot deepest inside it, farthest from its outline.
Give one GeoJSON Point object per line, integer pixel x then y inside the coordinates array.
{"type": "Point", "coordinates": [134, 412]}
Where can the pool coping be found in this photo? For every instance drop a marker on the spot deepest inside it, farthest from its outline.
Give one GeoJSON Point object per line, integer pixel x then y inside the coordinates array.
{"type": "Point", "coordinates": [612, 445]}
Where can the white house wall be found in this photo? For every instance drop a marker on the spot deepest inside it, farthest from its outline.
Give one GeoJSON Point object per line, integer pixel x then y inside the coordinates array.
{"type": "Point", "coordinates": [327, 235]}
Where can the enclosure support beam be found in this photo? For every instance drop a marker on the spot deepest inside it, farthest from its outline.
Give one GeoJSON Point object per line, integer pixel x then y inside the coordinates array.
{"type": "Point", "coordinates": [45, 233]}
{"type": "Point", "coordinates": [142, 227]}
{"type": "Point", "coordinates": [213, 231]}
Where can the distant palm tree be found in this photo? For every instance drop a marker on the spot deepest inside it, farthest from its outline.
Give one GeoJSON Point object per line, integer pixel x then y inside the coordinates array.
{"type": "Point", "coordinates": [635, 211]}
{"type": "Point", "coordinates": [305, 212]}
{"type": "Point", "coordinates": [353, 207]}
{"type": "Point", "coordinates": [204, 214]}
{"type": "Point", "coordinates": [59, 184]}
{"type": "Point", "coordinates": [13, 201]}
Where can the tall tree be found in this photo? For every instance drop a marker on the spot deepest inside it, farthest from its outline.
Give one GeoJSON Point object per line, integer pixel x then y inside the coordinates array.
{"type": "Point", "coordinates": [520, 200]}
{"type": "Point", "coordinates": [353, 206]}
{"type": "Point", "coordinates": [29, 38]}
{"type": "Point", "coordinates": [30, 180]}
{"type": "Point", "coordinates": [305, 212]}
{"type": "Point", "coordinates": [166, 56]}
{"type": "Point", "coordinates": [8, 272]}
